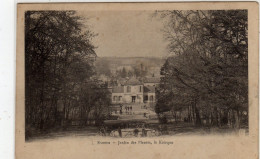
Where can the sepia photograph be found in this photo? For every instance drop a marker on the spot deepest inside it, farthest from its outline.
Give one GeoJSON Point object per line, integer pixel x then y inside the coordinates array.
{"type": "Point", "coordinates": [137, 76]}
{"type": "Point", "coordinates": [135, 73]}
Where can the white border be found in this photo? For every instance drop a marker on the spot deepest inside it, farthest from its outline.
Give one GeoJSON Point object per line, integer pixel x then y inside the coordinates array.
{"type": "Point", "coordinates": [7, 67]}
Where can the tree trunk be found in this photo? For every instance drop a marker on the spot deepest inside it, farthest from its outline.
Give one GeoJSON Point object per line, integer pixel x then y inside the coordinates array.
{"type": "Point", "coordinates": [237, 119]}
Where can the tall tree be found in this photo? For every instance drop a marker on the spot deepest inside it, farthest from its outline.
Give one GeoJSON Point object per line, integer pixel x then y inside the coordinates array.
{"type": "Point", "coordinates": [123, 73]}
{"type": "Point", "coordinates": [58, 57]}
{"type": "Point", "coordinates": [207, 69]}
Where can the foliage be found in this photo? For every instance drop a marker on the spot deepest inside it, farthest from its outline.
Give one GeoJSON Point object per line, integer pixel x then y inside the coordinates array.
{"type": "Point", "coordinates": [59, 60]}
{"type": "Point", "coordinates": [207, 70]}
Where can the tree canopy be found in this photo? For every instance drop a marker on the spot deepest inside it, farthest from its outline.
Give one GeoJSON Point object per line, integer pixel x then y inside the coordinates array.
{"type": "Point", "coordinates": [207, 69]}
{"type": "Point", "coordinates": [59, 60]}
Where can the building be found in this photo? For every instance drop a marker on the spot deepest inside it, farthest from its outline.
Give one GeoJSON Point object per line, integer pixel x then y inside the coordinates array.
{"type": "Point", "coordinates": [152, 81]}
{"type": "Point", "coordinates": [135, 91]}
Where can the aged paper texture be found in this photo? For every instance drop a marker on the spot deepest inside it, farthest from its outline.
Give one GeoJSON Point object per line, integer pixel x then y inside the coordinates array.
{"type": "Point", "coordinates": [137, 80]}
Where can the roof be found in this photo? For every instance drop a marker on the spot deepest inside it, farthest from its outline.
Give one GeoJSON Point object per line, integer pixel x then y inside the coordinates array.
{"type": "Point", "coordinates": [152, 80]}
{"type": "Point", "coordinates": [149, 89]}
{"type": "Point", "coordinates": [118, 89]}
{"type": "Point", "coordinates": [122, 81]}
{"type": "Point", "coordinates": [133, 81]}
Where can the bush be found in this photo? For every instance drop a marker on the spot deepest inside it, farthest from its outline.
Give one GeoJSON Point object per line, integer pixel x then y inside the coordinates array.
{"type": "Point", "coordinates": [163, 119]}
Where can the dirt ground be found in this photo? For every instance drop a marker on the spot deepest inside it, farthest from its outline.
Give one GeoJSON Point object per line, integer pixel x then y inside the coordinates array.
{"type": "Point", "coordinates": [170, 129]}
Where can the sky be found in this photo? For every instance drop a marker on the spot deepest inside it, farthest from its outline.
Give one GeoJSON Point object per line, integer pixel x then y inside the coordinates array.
{"type": "Point", "coordinates": [126, 33]}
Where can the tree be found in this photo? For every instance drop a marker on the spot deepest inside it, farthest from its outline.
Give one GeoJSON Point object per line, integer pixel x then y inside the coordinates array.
{"type": "Point", "coordinates": [208, 64]}
{"type": "Point", "coordinates": [102, 67]}
{"type": "Point", "coordinates": [58, 57]}
{"type": "Point", "coordinates": [123, 73]}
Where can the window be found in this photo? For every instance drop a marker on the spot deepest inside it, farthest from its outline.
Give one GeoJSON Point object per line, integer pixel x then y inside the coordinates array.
{"type": "Point", "coordinates": [120, 98]}
{"type": "Point", "coordinates": [151, 98]}
{"type": "Point", "coordinates": [133, 99]}
{"type": "Point", "coordinates": [114, 99]}
{"type": "Point", "coordinates": [140, 88]}
{"type": "Point", "coordinates": [145, 98]}
{"type": "Point", "coordinates": [128, 89]}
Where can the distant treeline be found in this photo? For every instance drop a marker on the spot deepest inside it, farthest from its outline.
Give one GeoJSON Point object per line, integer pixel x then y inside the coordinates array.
{"type": "Point", "coordinates": [207, 72]}
{"type": "Point", "coordinates": [119, 66]}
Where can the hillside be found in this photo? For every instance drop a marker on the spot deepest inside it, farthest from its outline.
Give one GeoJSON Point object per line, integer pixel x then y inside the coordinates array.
{"type": "Point", "coordinates": [110, 65]}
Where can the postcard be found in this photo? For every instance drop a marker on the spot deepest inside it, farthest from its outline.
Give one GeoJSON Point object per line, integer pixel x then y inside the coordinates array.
{"type": "Point", "coordinates": [137, 80]}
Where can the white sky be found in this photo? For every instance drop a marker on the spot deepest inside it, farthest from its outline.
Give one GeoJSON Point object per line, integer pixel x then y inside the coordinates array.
{"type": "Point", "coordinates": [126, 33]}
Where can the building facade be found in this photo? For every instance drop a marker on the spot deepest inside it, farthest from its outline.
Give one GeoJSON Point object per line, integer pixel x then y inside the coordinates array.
{"type": "Point", "coordinates": [135, 91]}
